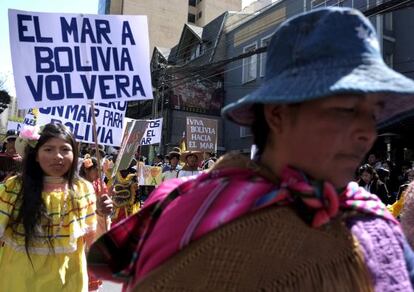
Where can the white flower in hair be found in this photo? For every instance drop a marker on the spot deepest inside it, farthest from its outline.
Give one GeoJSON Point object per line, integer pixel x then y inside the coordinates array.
{"type": "Point", "coordinates": [369, 37]}
{"type": "Point", "coordinates": [28, 136]}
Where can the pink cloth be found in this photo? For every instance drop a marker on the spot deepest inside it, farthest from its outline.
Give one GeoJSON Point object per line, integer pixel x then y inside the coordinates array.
{"type": "Point", "coordinates": [193, 207]}
{"type": "Point", "coordinates": [234, 192]}
{"type": "Point", "coordinates": [210, 201]}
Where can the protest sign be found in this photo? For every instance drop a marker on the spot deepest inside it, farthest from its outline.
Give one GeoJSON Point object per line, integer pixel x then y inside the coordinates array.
{"type": "Point", "coordinates": [29, 119]}
{"type": "Point", "coordinates": [11, 125]}
{"type": "Point", "coordinates": [149, 175]}
{"type": "Point", "coordinates": [65, 59]}
{"type": "Point", "coordinates": [153, 133]}
{"type": "Point", "coordinates": [78, 118]}
{"type": "Point", "coordinates": [201, 134]}
{"type": "Point", "coordinates": [134, 130]}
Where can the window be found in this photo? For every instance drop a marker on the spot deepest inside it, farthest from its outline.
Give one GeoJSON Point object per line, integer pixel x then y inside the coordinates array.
{"type": "Point", "coordinates": [317, 3]}
{"type": "Point", "coordinates": [331, 3]}
{"type": "Point", "coordinates": [389, 59]}
{"type": "Point", "coordinates": [345, 3]}
{"type": "Point", "coordinates": [191, 18]}
{"type": "Point", "coordinates": [192, 3]}
{"type": "Point", "coordinates": [264, 43]}
{"type": "Point", "coordinates": [388, 25]}
{"type": "Point", "coordinates": [197, 51]}
{"type": "Point", "coordinates": [245, 132]}
{"type": "Point", "coordinates": [249, 64]}
{"type": "Point", "coordinates": [199, 15]}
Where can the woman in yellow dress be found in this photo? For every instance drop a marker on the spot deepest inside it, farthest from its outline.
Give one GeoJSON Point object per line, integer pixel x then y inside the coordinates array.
{"type": "Point", "coordinates": [47, 216]}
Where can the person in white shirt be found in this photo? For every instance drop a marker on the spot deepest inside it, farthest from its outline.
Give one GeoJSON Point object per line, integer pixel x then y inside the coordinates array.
{"type": "Point", "coordinates": [208, 161]}
{"type": "Point", "coordinates": [191, 164]}
{"type": "Point", "coordinates": [172, 171]}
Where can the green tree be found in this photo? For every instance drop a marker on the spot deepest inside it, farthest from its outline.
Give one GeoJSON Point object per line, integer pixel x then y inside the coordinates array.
{"type": "Point", "coordinates": [5, 97]}
{"type": "Point", "coordinates": [5, 100]}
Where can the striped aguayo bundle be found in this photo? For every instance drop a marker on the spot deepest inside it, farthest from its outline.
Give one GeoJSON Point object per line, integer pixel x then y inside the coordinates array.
{"type": "Point", "coordinates": [269, 250]}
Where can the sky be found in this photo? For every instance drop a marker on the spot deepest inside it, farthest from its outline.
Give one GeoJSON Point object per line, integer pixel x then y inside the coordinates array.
{"type": "Point", "coordinates": [64, 6]}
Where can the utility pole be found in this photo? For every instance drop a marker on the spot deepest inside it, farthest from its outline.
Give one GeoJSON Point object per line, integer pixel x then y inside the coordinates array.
{"type": "Point", "coordinates": [158, 97]}
{"type": "Point", "coordinates": [161, 89]}
{"type": "Point", "coordinates": [154, 115]}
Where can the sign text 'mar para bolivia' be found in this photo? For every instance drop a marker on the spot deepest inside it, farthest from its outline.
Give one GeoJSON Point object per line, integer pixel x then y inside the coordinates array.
{"type": "Point", "coordinates": [79, 119]}
{"type": "Point", "coordinates": [63, 59]}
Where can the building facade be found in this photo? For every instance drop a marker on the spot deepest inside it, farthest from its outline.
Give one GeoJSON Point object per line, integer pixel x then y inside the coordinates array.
{"type": "Point", "coordinates": [182, 33]}
{"type": "Point", "coordinates": [167, 18]}
{"type": "Point", "coordinates": [189, 80]}
{"type": "Point", "coordinates": [199, 70]}
{"type": "Point", "coordinates": [202, 12]}
{"type": "Point", "coordinates": [245, 75]}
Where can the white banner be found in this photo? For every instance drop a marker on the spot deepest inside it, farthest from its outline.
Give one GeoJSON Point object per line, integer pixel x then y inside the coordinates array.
{"type": "Point", "coordinates": [66, 59]}
{"type": "Point", "coordinates": [109, 121]}
{"type": "Point", "coordinates": [29, 119]}
{"type": "Point", "coordinates": [201, 134]}
{"type": "Point", "coordinates": [153, 133]}
{"type": "Point", "coordinates": [132, 136]}
{"type": "Point", "coordinates": [12, 125]}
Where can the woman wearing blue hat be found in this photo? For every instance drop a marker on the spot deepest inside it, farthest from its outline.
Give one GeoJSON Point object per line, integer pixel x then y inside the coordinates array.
{"type": "Point", "coordinates": [289, 220]}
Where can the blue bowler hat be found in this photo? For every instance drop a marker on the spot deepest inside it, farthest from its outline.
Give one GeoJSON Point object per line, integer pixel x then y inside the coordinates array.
{"type": "Point", "coordinates": [321, 53]}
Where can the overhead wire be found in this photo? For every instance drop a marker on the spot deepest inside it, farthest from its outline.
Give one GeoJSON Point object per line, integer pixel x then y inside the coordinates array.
{"type": "Point", "coordinates": [207, 67]}
{"type": "Point", "coordinates": [223, 62]}
{"type": "Point", "coordinates": [242, 65]}
{"type": "Point", "coordinates": [240, 21]}
{"type": "Point", "coordinates": [248, 34]}
{"type": "Point", "coordinates": [216, 65]}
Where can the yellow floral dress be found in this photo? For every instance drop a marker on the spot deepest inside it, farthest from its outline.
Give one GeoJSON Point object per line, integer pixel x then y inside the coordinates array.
{"type": "Point", "coordinates": [61, 267]}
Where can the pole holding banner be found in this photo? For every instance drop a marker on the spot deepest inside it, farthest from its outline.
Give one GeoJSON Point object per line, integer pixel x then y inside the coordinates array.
{"type": "Point", "coordinates": [98, 157]}
{"type": "Point", "coordinates": [139, 169]}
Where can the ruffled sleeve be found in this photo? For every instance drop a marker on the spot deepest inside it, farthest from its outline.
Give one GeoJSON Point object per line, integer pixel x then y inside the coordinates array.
{"type": "Point", "coordinates": [8, 195]}
{"type": "Point", "coordinates": [396, 208]}
{"type": "Point", "coordinates": [85, 199]}
{"type": "Point", "coordinates": [407, 214]}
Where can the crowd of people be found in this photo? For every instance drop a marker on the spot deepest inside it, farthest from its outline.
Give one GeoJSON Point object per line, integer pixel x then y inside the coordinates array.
{"type": "Point", "coordinates": [293, 218]}
{"type": "Point", "coordinates": [384, 178]}
{"type": "Point", "coordinates": [67, 199]}
{"type": "Point", "coordinates": [192, 163]}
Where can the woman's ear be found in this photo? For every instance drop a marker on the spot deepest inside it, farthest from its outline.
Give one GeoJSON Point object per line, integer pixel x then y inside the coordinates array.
{"type": "Point", "coordinates": [275, 116]}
